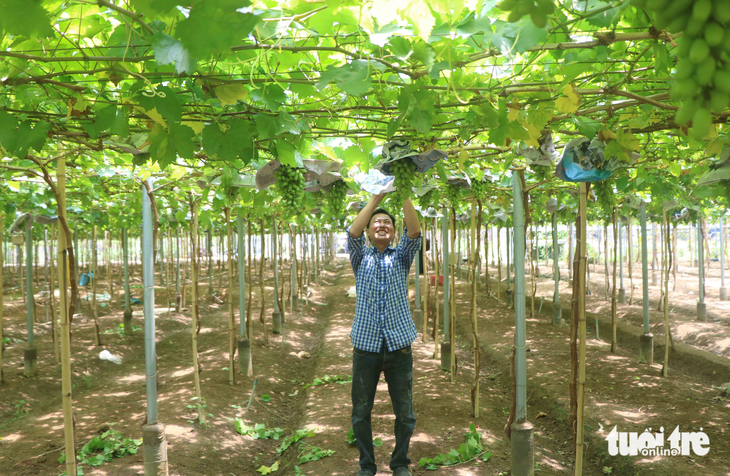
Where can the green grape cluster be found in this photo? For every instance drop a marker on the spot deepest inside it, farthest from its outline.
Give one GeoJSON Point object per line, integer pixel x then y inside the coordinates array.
{"type": "Point", "coordinates": [605, 197]}
{"type": "Point", "coordinates": [336, 200]}
{"type": "Point", "coordinates": [725, 184]}
{"type": "Point", "coordinates": [404, 172]}
{"type": "Point", "coordinates": [480, 189]}
{"type": "Point", "coordinates": [229, 190]}
{"type": "Point", "coordinates": [290, 185]}
{"type": "Point", "coordinates": [702, 77]}
{"type": "Point", "coordinates": [453, 195]}
{"type": "Point", "coordinates": [537, 9]}
{"type": "Point", "coordinates": [428, 199]}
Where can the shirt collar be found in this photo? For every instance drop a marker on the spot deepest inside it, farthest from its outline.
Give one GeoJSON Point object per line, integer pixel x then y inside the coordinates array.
{"type": "Point", "coordinates": [374, 249]}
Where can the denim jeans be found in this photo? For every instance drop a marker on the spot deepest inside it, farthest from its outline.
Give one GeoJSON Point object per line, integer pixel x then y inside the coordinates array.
{"type": "Point", "coordinates": [398, 369]}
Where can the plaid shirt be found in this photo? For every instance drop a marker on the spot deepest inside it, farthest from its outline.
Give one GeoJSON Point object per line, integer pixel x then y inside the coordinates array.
{"type": "Point", "coordinates": [381, 311]}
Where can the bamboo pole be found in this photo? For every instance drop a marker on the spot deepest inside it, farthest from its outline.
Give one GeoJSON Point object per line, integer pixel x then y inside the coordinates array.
{"type": "Point", "coordinates": [499, 267]}
{"type": "Point", "coordinates": [425, 294]}
{"type": "Point", "coordinates": [474, 251]}
{"type": "Point", "coordinates": [605, 258]}
{"type": "Point", "coordinates": [580, 387]}
{"type": "Point", "coordinates": [195, 314]}
{"type": "Point", "coordinates": [52, 297]}
{"type": "Point", "coordinates": [614, 317]}
{"type": "Point", "coordinates": [2, 267]}
{"type": "Point", "coordinates": [63, 283]}
{"type": "Point", "coordinates": [437, 276]}
{"type": "Point", "coordinates": [232, 340]}
{"type": "Point", "coordinates": [668, 265]}
{"type": "Point", "coordinates": [97, 337]}
{"type": "Point", "coordinates": [533, 283]}
{"type": "Point", "coordinates": [249, 318]}
{"type": "Point", "coordinates": [630, 254]}
{"type": "Point", "coordinates": [262, 316]}
{"type": "Point", "coordinates": [452, 298]}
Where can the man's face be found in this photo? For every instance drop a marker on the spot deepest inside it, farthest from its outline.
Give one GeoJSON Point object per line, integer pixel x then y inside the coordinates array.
{"type": "Point", "coordinates": [381, 230]}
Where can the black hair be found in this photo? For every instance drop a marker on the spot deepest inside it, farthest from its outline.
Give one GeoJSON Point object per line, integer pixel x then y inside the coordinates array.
{"type": "Point", "coordinates": [381, 211]}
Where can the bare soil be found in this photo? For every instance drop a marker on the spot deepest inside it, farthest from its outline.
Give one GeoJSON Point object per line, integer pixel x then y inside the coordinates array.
{"type": "Point", "coordinates": [619, 390]}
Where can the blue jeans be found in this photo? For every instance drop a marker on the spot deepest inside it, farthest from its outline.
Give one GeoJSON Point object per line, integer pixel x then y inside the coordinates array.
{"type": "Point", "coordinates": [398, 369]}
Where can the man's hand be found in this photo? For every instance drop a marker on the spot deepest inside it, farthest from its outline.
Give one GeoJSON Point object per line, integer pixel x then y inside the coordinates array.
{"type": "Point", "coordinates": [361, 220]}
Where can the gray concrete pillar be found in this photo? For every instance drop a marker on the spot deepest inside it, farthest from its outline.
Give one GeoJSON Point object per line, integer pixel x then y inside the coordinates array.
{"type": "Point", "coordinates": [154, 446]}
{"type": "Point", "coordinates": [646, 352]}
{"type": "Point", "coordinates": [523, 449]}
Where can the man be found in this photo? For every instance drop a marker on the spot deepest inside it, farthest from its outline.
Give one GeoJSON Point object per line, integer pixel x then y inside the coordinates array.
{"type": "Point", "coordinates": [383, 331]}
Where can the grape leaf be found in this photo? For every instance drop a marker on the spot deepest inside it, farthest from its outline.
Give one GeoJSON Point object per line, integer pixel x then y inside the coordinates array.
{"type": "Point", "coordinates": [25, 18]}
{"type": "Point", "coordinates": [168, 50]}
{"type": "Point", "coordinates": [229, 94]}
{"type": "Point", "coordinates": [214, 26]}
{"type": "Point", "coordinates": [167, 145]}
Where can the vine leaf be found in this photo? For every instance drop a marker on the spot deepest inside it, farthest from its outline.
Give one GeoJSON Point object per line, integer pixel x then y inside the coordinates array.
{"type": "Point", "coordinates": [230, 142]}
{"type": "Point", "coordinates": [354, 78]}
{"type": "Point", "coordinates": [214, 26]}
{"type": "Point", "coordinates": [570, 103]}
{"type": "Point", "coordinates": [168, 50]}
{"type": "Point", "coordinates": [229, 94]}
{"type": "Point", "coordinates": [166, 145]}
{"type": "Point", "coordinates": [25, 18]}
{"type": "Point", "coordinates": [31, 137]}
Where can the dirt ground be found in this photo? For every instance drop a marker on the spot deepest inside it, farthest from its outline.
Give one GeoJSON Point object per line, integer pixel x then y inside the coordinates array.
{"type": "Point", "coordinates": [619, 390]}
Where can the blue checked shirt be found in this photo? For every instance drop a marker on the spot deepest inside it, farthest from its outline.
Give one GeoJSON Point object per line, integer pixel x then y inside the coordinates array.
{"type": "Point", "coordinates": [381, 310]}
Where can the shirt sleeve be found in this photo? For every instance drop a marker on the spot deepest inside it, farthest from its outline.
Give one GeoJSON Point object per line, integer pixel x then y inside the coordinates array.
{"type": "Point", "coordinates": [407, 248]}
{"type": "Point", "coordinates": [355, 247]}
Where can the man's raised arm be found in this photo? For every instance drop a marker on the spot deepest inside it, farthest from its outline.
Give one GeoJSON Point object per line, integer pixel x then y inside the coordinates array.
{"type": "Point", "coordinates": [411, 217]}
{"type": "Point", "coordinates": [361, 220]}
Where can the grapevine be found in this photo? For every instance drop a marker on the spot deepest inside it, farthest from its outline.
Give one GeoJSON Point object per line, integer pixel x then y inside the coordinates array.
{"type": "Point", "coordinates": [479, 188]}
{"type": "Point", "coordinates": [404, 172]}
{"type": "Point", "coordinates": [702, 72]}
{"type": "Point", "coordinates": [605, 197]}
{"type": "Point", "coordinates": [453, 195]}
{"type": "Point", "coordinates": [335, 204]}
{"type": "Point", "coordinates": [537, 9]}
{"type": "Point", "coordinates": [428, 199]}
{"type": "Point", "coordinates": [229, 190]}
{"type": "Point", "coordinates": [290, 185]}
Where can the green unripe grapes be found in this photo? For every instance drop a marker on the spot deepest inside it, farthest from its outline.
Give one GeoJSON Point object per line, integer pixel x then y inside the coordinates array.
{"type": "Point", "coordinates": [719, 101]}
{"type": "Point", "coordinates": [685, 69]}
{"type": "Point", "coordinates": [538, 18]}
{"type": "Point", "coordinates": [721, 12]}
{"type": "Point", "coordinates": [714, 33]}
{"type": "Point", "coordinates": [694, 28]}
{"type": "Point", "coordinates": [685, 112]}
{"type": "Point", "coordinates": [721, 79]}
{"type": "Point", "coordinates": [682, 89]}
{"type": "Point", "coordinates": [546, 6]}
{"type": "Point", "coordinates": [655, 5]}
{"type": "Point", "coordinates": [705, 71]}
{"type": "Point", "coordinates": [701, 10]}
{"type": "Point", "coordinates": [699, 51]}
{"type": "Point", "coordinates": [701, 123]}
{"type": "Point", "coordinates": [508, 5]}
{"type": "Point", "coordinates": [678, 24]}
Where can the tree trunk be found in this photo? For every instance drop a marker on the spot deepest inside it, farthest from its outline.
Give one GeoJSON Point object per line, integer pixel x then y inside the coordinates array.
{"type": "Point", "coordinates": [65, 264]}
{"type": "Point", "coordinates": [262, 316]}
{"type": "Point", "coordinates": [474, 250]}
{"type": "Point", "coordinates": [93, 287]}
{"type": "Point", "coordinates": [197, 368]}
{"type": "Point", "coordinates": [232, 341]}
{"type": "Point", "coordinates": [2, 267]}
{"type": "Point", "coordinates": [614, 317]}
